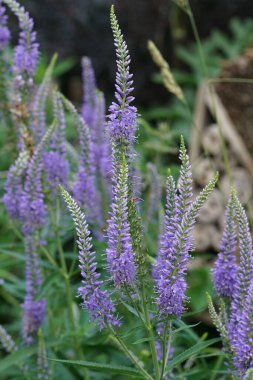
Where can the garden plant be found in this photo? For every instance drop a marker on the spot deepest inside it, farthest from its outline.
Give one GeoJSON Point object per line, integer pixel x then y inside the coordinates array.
{"type": "Point", "coordinates": [86, 296]}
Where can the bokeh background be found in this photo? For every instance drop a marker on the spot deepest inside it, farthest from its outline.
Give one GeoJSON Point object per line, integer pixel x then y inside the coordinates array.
{"type": "Point", "coordinates": [74, 28]}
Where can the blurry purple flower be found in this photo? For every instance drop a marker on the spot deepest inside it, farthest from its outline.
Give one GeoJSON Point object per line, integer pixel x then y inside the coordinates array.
{"type": "Point", "coordinates": [224, 272]}
{"type": "Point", "coordinates": [244, 271]}
{"type": "Point", "coordinates": [14, 186]}
{"type": "Point", "coordinates": [33, 310]}
{"type": "Point", "coordinates": [4, 31]}
{"type": "Point", "coordinates": [243, 345]}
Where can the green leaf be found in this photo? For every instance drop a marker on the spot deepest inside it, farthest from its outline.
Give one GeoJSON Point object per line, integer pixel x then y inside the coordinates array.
{"type": "Point", "coordinates": [144, 340]}
{"type": "Point", "coordinates": [190, 352]}
{"type": "Point", "coordinates": [104, 368]}
{"type": "Point", "coordinates": [17, 357]}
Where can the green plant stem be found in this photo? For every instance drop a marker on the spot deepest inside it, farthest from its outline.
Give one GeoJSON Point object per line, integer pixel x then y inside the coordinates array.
{"type": "Point", "coordinates": [151, 333]}
{"type": "Point", "coordinates": [67, 285]}
{"type": "Point", "coordinates": [166, 352]}
{"type": "Point", "coordinates": [49, 256]}
{"type": "Point", "coordinates": [129, 353]}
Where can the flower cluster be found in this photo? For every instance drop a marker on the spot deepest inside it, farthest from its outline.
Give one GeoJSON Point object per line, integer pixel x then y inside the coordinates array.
{"type": "Point", "coordinates": [120, 256]}
{"type": "Point", "coordinates": [27, 51]}
{"type": "Point", "coordinates": [4, 31]}
{"type": "Point", "coordinates": [234, 284]}
{"type": "Point", "coordinates": [122, 117]}
{"type": "Point", "coordinates": [95, 300]}
{"type": "Point", "coordinates": [175, 242]}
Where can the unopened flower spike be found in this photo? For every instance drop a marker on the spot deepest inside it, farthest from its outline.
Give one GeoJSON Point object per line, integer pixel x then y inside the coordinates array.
{"type": "Point", "coordinates": [122, 117]}
{"type": "Point", "coordinates": [6, 341]}
{"type": "Point", "coordinates": [185, 181]}
{"type": "Point", "coordinates": [171, 283]}
{"type": "Point", "coordinates": [95, 300]}
{"type": "Point", "coordinates": [120, 256]}
{"type": "Point", "coordinates": [225, 268]}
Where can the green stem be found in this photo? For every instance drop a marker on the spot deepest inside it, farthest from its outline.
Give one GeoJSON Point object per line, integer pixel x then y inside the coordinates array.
{"type": "Point", "coordinates": [129, 353]}
{"type": "Point", "coordinates": [151, 334]}
{"type": "Point", "coordinates": [166, 354]}
{"type": "Point", "coordinates": [67, 286]}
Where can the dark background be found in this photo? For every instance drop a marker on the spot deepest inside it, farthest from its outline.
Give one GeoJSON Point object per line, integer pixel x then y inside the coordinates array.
{"type": "Point", "coordinates": [74, 28]}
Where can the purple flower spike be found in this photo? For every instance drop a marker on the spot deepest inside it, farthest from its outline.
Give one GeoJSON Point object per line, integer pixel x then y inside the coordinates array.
{"type": "Point", "coordinates": [245, 270]}
{"type": "Point", "coordinates": [32, 206]}
{"type": "Point", "coordinates": [33, 310]}
{"type": "Point", "coordinates": [120, 256]}
{"type": "Point", "coordinates": [4, 31]}
{"type": "Point", "coordinates": [243, 359]}
{"type": "Point", "coordinates": [95, 300]}
{"type": "Point", "coordinates": [89, 92]}
{"type": "Point", "coordinates": [171, 221]}
{"type": "Point", "coordinates": [122, 117]}
{"type": "Point", "coordinates": [224, 272]}
{"type": "Point", "coordinates": [55, 163]}
{"type": "Point", "coordinates": [170, 280]}
{"type": "Point", "coordinates": [26, 53]}
{"type": "Point", "coordinates": [14, 187]}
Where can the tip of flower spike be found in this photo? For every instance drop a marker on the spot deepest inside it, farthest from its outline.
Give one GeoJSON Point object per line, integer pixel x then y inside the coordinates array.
{"type": "Point", "coordinates": [182, 144]}
{"type": "Point", "coordinates": [54, 59]}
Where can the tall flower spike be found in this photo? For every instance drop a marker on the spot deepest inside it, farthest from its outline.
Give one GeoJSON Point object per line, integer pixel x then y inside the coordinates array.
{"type": "Point", "coordinates": [102, 153]}
{"type": "Point", "coordinates": [154, 193]}
{"type": "Point", "coordinates": [33, 310]}
{"type": "Point", "coordinates": [38, 107]}
{"type": "Point", "coordinates": [122, 118]}
{"type": "Point", "coordinates": [171, 283]}
{"type": "Point", "coordinates": [32, 207]}
{"type": "Point", "coordinates": [185, 181]}
{"type": "Point", "coordinates": [245, 270]}
{"type": "Point", "coordinates": [244, 342]}
{"type": "Point", "coordinates": [120, 256]}
{"type": "Point", "coordinates": [224, 272]}
{"type": "Point", "coordinates": [95, 300]}
{"type": "Point", "coordinates": [27, 51]}
{"type": "Point", "coordinates": [89, 92]}
{"type": "Point", "coordinates": [84, 189]}
{"type": "Point", "coordinates": [4, 31]}
{"type": "Point", "coordinates": [171, 223]}
{"type": "Point", "coordinates": [13, 185]}
{"type": "Point", "coordinates": [55, 163]}
{"type": "Point", "coordinates": [7, 341]}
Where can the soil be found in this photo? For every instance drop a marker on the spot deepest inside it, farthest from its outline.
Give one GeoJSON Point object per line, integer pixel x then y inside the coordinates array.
{"type": "Point", "coordinates": [238, 97]}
